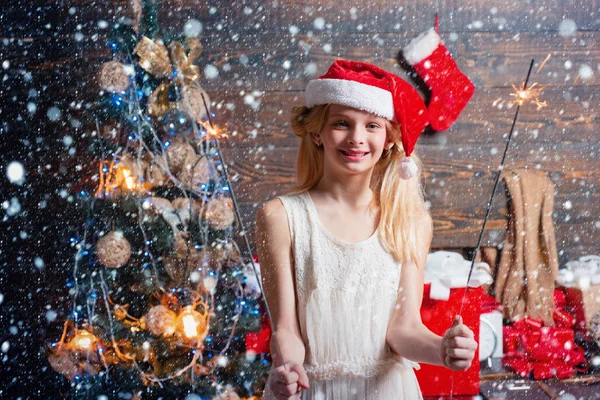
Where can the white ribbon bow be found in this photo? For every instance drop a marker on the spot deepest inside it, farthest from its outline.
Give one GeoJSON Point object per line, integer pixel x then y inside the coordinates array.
{"type": "Point", "coordinates": [582, 272]}
{"type": "Point", "coordinates": [446, 270]}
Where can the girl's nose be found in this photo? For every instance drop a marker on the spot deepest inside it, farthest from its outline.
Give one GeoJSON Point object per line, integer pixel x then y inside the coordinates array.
{"type": "Point", "coordinates": [356, 135]}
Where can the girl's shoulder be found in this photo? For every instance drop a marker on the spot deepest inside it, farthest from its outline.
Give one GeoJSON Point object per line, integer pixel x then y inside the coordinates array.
{"type": "Point", "coordinates": [272, 224]}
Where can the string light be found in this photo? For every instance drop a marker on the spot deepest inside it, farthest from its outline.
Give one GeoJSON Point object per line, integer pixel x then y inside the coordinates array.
{"type": "Point", "coordinates": [83, 340]}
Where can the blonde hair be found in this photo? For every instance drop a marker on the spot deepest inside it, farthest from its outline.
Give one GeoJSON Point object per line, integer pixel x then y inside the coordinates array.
{"type": "Point", "coordinates": [402, 201]}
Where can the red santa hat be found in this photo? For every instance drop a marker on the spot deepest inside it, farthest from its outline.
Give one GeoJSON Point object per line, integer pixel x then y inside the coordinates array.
{"type": "Point", "coordinates": [367, 87]}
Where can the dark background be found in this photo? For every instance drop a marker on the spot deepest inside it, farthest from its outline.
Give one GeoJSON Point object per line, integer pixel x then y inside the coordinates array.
{"type": "Point", "coordinates": [265, 53]}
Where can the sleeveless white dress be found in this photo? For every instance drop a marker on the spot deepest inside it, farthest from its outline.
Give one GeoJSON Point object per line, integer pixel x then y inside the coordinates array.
{"type": "Point", "coordinates": [346, 293]}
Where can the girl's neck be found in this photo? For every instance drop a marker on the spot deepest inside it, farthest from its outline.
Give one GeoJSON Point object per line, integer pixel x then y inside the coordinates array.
{"type": "Point", "coordinates": [352, 193]}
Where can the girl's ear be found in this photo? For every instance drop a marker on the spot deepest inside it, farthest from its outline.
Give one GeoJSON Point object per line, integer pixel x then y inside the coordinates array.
{"type": "Point", "coordinates": [316, 138]}
{"type": "Point", "coordinates": [389, 145]}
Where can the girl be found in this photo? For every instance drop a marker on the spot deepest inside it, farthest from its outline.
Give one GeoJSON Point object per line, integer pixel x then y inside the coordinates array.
{"type": "Point", "coordinates": [343, 255]}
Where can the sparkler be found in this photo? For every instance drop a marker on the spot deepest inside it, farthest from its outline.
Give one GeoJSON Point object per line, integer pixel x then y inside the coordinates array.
{"type": "Point", "coordinates": [522, 94]}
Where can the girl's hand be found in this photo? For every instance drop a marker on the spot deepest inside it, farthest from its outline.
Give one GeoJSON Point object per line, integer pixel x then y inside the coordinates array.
{"type": "Point", "coordinates": [287, 383]}
{"type": "Point", "coordinates": [458, 346]}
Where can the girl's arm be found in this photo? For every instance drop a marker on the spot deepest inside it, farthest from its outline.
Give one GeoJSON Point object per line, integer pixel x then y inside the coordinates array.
{"type": "Point", "coordinates": [406, 333]}
{"type": "Point", "coordinates": [274, 249]}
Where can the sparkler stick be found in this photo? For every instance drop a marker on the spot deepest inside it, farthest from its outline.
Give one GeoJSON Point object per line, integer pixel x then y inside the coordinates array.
{"type": "Point", "coordinates": [521, 95]}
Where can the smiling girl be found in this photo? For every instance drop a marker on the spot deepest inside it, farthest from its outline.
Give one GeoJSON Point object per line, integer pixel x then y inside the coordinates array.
{"type": "Point", "coordinates": [343, 255]}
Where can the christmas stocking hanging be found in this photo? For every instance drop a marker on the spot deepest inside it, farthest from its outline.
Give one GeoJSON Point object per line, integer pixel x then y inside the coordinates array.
{"type": "Point", "coordinates": [450, 88]}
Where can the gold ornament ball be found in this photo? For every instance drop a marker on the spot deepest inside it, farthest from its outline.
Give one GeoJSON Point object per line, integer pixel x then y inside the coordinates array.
{"type": "Point", "coordinates": [160, 321]}
{"type": "Point", "coordinates": [195, 105]}
{"type": "Point", "coordinates": [64, 363]}
{"type": "Point", "coordinates": [155, 175]}
{"type": "Point", "coordinates": [157, 205]}
{"type": "Point", "coordinates": [177, 155]}
{"type": "Point", "coordinates": [182, 202]}
{"type": "Point", "coordinates": [113, 77]}
{"type": "Point", "coordinates": [113, 250]}
{"type": "Point", "coordinates": [219, 213]}
{"type": "Point", "coordinates": [72, 363]}
{"type": "Point", "coordinates": [195, 173]}
{"type": "Point", "coordinates": [192, 325]}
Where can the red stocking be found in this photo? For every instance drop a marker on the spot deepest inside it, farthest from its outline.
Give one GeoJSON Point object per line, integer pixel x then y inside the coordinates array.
{"type": "Point", "coordinates": [450, 88]}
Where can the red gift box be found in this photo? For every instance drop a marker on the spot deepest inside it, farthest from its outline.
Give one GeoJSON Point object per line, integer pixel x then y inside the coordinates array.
{"type": "Point", "coordinates": [544, 351]}
{"type": "Point", "coordinates": [437, 315]}
{"type": "Point", "coordinates": [582, 304]}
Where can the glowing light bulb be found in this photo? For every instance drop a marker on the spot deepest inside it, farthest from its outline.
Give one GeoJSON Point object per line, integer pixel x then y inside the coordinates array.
{"type": "Point", "coordinates": [83, 340]}
{"type": "Point", "coordinates": [190, 326]}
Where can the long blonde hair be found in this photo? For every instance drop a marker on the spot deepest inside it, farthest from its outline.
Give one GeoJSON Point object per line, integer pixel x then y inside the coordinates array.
{"type": "Point", "coordinates": [402, 202]}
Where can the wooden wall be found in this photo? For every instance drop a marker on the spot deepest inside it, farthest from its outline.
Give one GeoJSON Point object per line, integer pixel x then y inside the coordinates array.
{"type": "Point", "coordinates": [267, 51]}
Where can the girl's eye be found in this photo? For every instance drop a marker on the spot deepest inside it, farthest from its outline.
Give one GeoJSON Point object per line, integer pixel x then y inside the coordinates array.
{"type": "Point", "coordinates": [340, 123]}
{"type": "Point", "coordinates": [373, 126]}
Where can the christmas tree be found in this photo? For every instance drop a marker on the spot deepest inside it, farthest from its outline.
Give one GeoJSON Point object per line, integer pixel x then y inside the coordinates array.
{"type": "Point", "coordinates": [164, 303]}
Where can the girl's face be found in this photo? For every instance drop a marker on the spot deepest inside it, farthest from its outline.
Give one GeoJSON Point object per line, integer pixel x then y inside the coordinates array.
{"type": "Point", "coordinates": [353, 140]}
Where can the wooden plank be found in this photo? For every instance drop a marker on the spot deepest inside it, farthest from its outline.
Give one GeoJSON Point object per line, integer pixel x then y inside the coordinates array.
{"type": "Point", "coordinates": [315, 16]}
{"type": "Point", "coordinates": [489, 59]}
{"type": "Point", "coordinates": [387, 15]}
{"type": "Point", "coordinates": [286, 62]}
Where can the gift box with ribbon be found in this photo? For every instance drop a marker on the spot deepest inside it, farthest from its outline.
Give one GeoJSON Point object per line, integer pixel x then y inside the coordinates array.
{"type": "Point", "coordinates": [544, 352]}
{"type": "Point", "coordinates": [580, 281]}
{"type": "Point", "coordinates": [446, 280]}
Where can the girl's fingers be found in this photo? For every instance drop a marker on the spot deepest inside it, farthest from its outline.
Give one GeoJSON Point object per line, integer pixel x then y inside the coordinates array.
{"type": "Point", "coordinates": [460, 330]}
{"type": "Point", "coordinates": [286, 377]}
{"type": "Point", "coordinates": [457, 364]}
{"type": "Point", "coordinates": [459, 342]}
{"type": "Point", "coordinates": [462, 354]}
{"type": "Point", "coordinates": [284, 391]}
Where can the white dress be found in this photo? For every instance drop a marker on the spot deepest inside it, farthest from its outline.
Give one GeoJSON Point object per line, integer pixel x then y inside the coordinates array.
{"type": "Point", "coordinates": [346, 293]}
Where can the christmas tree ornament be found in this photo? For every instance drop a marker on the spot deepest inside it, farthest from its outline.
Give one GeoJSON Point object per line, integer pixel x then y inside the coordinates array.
{"type": "Point", "coordinates": [154, 58]}
{"type": "Point", "coordinates": [157, 206]}
{"type": "Point", "coordinates": [176, 268]}
{"type": "Point", "coordinates": [195, 173]}
{"type": "Point", "coordinates": [160, 321]}
{"type": "Point", "coordinates": [220, 213]}
{"type": "Point", "coordinates": [367, 87]}
{"type": "Point", "coordinates": [113, 77]}
{"type": "Point", "coordinates": [192, 325]}
{"type": "Point", "coordinates": [184, 203]}
{"type": "Point", "coordinates": [182, 260]}
{"type": "Point", "coordinates": [72, 364]}
{"type": "Point", "coordinates": [193, 101]}
{"type": "Point", "coordinates": [65, 363]}
{"type": "Point", "coordinates": [179, 153]}
{"type": "Point", "coordinates": [155, 174]}
{"type": "Point", "coordinates": [182, 246]}
{"type": "Point", "coordinates": [135, 8]}
{"type": "Point", "coordinates": [451, 90]}
{"type": "Point", "coordinates": [113, 250]}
